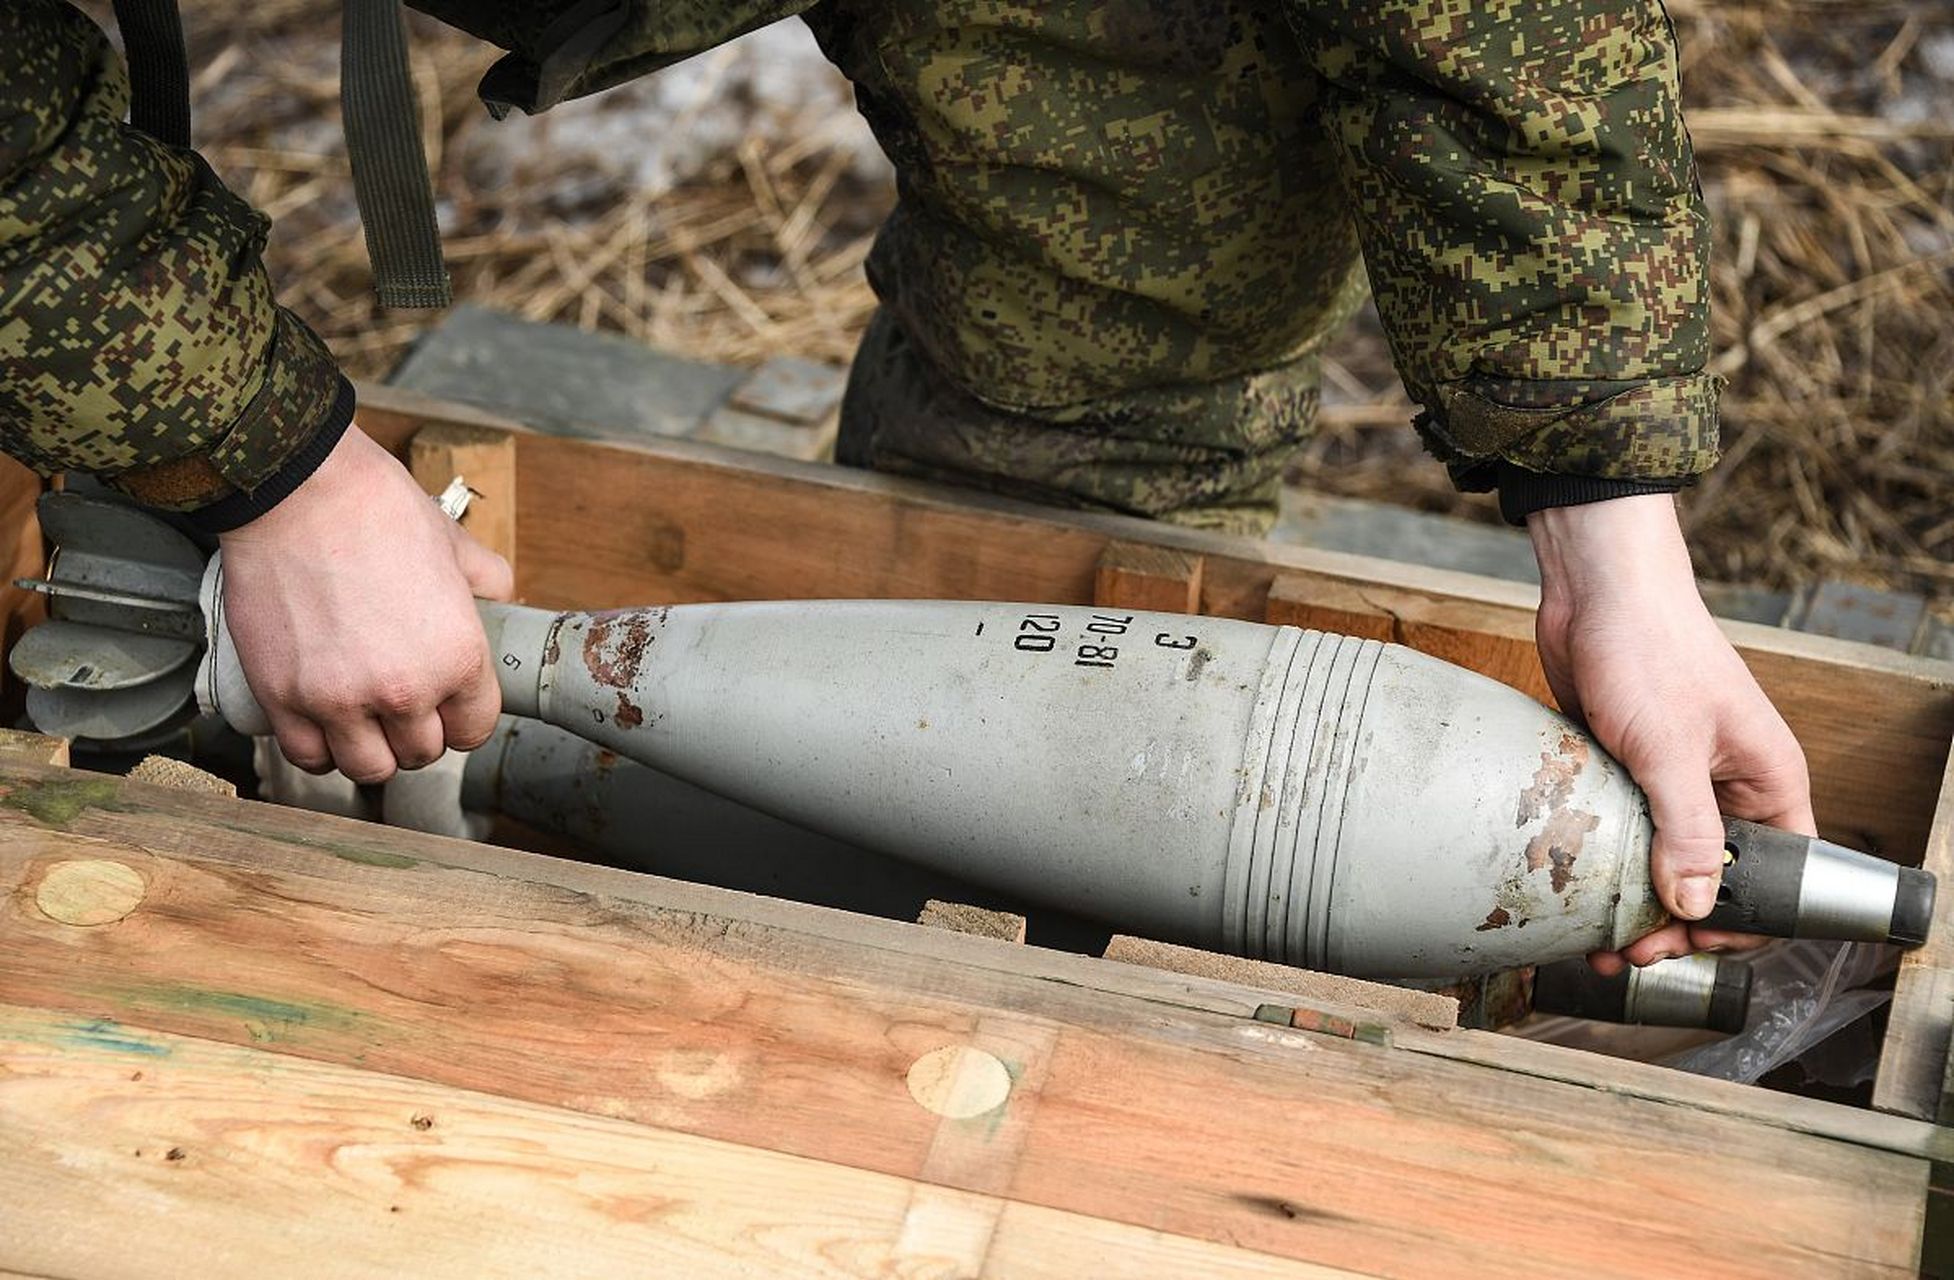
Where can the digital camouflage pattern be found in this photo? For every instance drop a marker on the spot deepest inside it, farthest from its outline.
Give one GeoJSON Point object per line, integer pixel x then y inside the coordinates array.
{"type": "Point", "coordinates": [1119, 231]}
{"type": "Point", "coordinates": [1532, 224]}
{"type": "Point", "coordinates": [136, 325]}
{"type": "Point", "coordinates": [1208, 454]}
{"type": "Point", "coordinates": [1126, 230]}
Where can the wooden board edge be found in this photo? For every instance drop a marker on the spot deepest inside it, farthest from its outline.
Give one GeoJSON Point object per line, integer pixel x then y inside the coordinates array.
{"type": "Point", "coordinates": [1919, 1046]}
{"type": "Point", "coordinates": [327, 837]}
{"type": "Point", "coordinates": [396, 414]}
{"type": "Point", "coordinates": [26, 557]}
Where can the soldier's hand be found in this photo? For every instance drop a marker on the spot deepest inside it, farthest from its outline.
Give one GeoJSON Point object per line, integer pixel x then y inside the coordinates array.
{"type": "Point", "coordinates": [352, 607]}
{"type": "Point", "coordinates": [1630, 650]}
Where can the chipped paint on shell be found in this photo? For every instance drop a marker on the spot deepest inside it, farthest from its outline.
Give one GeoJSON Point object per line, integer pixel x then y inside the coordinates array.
{"type": "Point", "coordinates": [1558, 844]}
{"type": "Point", "coordinates": [1553, 781]}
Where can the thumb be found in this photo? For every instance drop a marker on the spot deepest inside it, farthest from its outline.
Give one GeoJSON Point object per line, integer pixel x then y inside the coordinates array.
{"type": "Point", "coordinates": [488, 575]}
{"type": "Point", "coordinates": [1686, 862]}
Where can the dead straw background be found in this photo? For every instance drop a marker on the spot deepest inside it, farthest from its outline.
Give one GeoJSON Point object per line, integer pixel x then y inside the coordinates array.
{"type": "Point", "coordinates": [1824, 128]}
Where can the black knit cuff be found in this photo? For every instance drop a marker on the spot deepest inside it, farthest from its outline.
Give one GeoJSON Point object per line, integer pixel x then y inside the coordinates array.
{"type": "Point", "coordinates": [1523, 492]}
{"type": "Point", "coordinates": [241, 508]}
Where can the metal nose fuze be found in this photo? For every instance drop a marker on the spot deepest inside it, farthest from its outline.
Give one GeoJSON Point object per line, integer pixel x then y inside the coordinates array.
{"type": "Point", "coordinates": [1793, 886]}
{"type": "Point", "coordinates": [1703, 990]}
{"type": "Point", "coordinates": [1309, 798]}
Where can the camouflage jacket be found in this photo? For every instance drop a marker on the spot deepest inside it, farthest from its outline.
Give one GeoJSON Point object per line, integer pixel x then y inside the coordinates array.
{"type": "Point", "coordinates": [1517, 176]}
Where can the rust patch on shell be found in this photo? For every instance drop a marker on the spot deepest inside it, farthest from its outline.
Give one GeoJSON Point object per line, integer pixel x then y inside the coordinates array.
{"type": "Point", "coordinates": [629, 715]}
{"type": "Point", "coordinates": [615, 646]}
{"type": "Point", "coordinates": [1497, 918]}
{"type": "Point", "coordinates": [1553, 781]}
{"type": "Point", "coordinates": [1559, 844]}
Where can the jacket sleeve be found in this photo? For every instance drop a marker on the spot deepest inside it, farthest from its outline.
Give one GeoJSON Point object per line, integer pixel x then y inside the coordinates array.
{"type": "Point", "coordinates": [1534, 233]}
{"type": "Point", "coordinates": [139, 340]}
{"type": "Point", "coordinates": [564, 49]}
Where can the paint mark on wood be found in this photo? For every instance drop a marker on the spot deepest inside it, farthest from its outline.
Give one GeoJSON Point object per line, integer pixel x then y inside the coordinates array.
{"type": "Point", "coordinates": [958, 1082]}
{"type": "Point", "coordinates": [107, 1033]}
{"type": "Point", "coordinates": [265, 1021]}
{"type": "Point", "coordinates": [58, 803]}
{"type": "Point", "coordinates": [364, 855]}
{"type": "Point", "coordinates": [370, 857]}
{"type": "Point", "coordinates": [89, 891]}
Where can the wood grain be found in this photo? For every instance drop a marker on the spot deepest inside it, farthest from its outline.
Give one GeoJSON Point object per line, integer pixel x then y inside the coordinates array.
{"type": "Point", "coordinates": [1491, 638]}
{"type": "Point", "coordinates": [1919, 1050]}
{"type": "Point", "coordinates": [485, 459]}
{"type": "Point", "coordinates": [36, 748]}
{"type": "Point", "coordinates": [235, 1162]}
{"type": "Point", "coordinates": [863, 949]}
{"type": "Point", "coordinates": [1138, 575]}
{"type": "Point", "coordinates": [607, 525]}
{"type": "Point", "coordinates": [1424, 1008]}
{"type": "Point", "coordinates": [328, 940]}
{"type": "Point", "coordinates": [21, 556]}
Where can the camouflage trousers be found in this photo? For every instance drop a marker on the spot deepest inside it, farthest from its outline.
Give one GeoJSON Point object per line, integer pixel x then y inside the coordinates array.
{"type": "Point", "coordinates": [1120, 245]}
{"type": "Point", "coordinates": [1208, 455]}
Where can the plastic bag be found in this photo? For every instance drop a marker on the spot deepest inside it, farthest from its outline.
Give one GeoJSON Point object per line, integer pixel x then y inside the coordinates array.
{"type": "Point", "coordinates": [1802, 995]}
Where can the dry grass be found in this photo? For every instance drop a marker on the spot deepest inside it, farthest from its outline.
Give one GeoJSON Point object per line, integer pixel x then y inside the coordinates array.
{"type": "Point", "coordinates": [1825, 130]}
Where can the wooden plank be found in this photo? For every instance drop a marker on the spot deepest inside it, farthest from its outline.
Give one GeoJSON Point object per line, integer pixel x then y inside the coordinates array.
{"type": "Point", "coordinates": [34, 748]}
{"type": "Point", "coordinates": [856, 948]}
{"type": "Point", "coordinates": [234, 1162]}
{"type": "Point", "coordinates": [852, 947]}
{"type": "Point", "coordinates": [1915, 1060]}
{"type": "Point", "coordinates": [1316, 605]}
{"type": "Point", "coordinates": [333, 941]}
{"type": "Point", "coordinates": [24, 556]}
{"type": "Point", "coordinates": [393, 414]}
{"type": "Point", "coordinates": [961, 917]}
{"type": "Point", "coordinates": [1491, 638]}
{"type": "Point", "coordinates": [485, 459]}
{"type": "Point", "coordinates": [603, 526]}
{"type": "Point", "coordinates": [1426, 1008]}
{"type": "Point", "coordinates": [1138, 575]}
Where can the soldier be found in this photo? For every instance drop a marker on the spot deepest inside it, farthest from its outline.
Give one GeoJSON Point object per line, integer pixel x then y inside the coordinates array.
{"type": "Point", "coordinates": [1126, 230]}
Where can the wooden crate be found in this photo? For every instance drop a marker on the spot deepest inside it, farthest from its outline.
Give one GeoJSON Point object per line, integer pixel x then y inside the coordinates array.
{"type": "Point", "coordinates": [240, 1040]}
{"type": "Point", "coordinates": [603, 526]}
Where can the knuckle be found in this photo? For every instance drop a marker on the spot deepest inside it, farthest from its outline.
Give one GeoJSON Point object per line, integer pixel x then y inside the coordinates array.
{"type": "Point", "coordinates": [326, 696]}
{"type": "Point", "coordinates": [1697, 849]}
{"type": "Point", "coordinates": [368, 772]}
{"type": "Point", "coordinates": [307, 759]}
{"type": "Point", "coordinates": [398, 694]}
{"type": "Point", "coordinates": [332, 706]}
{"type": "Point", "coordinates": [470, 664]}
{"type": "Point", "coordinates": [467, 737]}
{"type": "Point", "coordinates": [501, 579]}
{"type": "Point", "coordinates": [419, 757]}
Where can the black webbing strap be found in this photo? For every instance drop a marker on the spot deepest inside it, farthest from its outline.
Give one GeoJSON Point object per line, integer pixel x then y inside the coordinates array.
{"type": "Point", "coordinates": [159, 69]}
{"type": "Point", "coordinates": [383, 143]}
